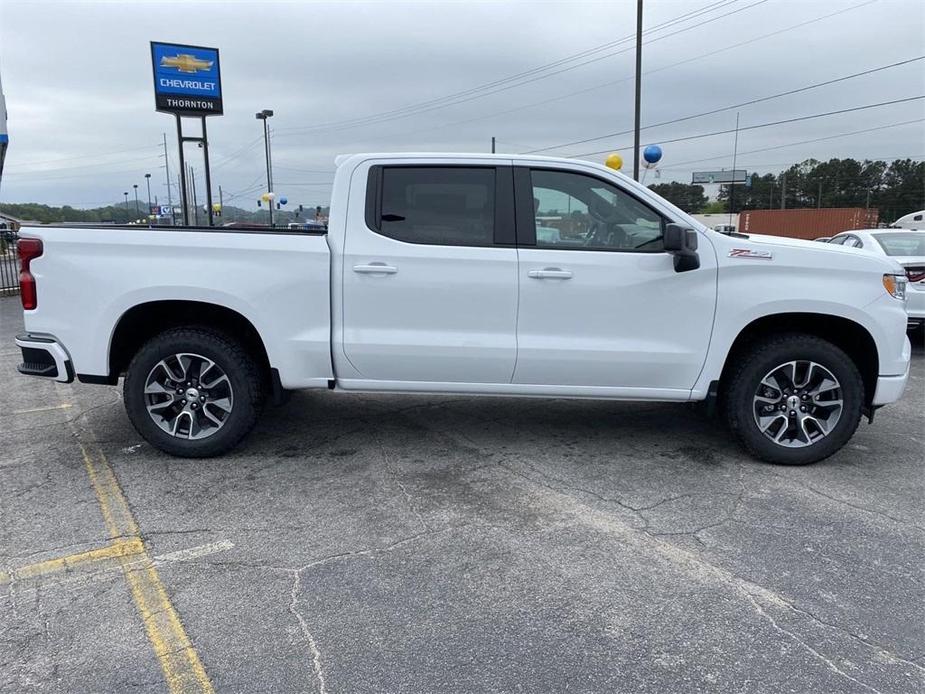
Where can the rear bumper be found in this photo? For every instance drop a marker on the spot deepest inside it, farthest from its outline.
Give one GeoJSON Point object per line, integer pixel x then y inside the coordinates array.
{"type": "Point", "coordinates": [43, 356]}
{"type": "Point", "coordinates": [915, 305]}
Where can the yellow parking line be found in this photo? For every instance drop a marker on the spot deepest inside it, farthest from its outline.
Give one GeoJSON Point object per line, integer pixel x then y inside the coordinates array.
{"type": "Point", "coordinates": [178, 659]}
{"type": "Point", "coordinates": [121, 548]}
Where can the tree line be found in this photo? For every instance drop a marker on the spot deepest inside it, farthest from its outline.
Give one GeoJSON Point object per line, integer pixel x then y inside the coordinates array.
{"type": "Point", "coordinates": [894, 189]}
{"type": "Point", "coordinates": [120, 214]}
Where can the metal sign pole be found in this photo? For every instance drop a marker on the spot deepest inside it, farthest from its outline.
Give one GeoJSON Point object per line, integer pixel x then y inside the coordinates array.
{"type": "Point", "coordinates": [205, 154]}
{"type": "Point", "coordinates": [187, 82]}
{"type": "Point", "coordinates": [183, 194]}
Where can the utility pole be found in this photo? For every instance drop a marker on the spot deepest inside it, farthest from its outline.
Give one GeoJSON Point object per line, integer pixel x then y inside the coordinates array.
{"type": "Point", "coordinates": [492, 144]}
{"type": "Point", "coordinates": [135, 186]}
{"type": "Point", "coordinates": [783, 191]}
{"type": "Point", "coordinates": [638, 89]}
{"type": "Point", "coordinates": [732, 186]}
{"type": "Point", "coordinates": [819, 197]}
{"type": "Point", "coordinates": [771, 196]}
{"type": "Point", "coordinates": [221, 202]}
{"type": "Point", "coordinates": [265, 115]}
{"type": "Point", "coordinates": [167, 173]}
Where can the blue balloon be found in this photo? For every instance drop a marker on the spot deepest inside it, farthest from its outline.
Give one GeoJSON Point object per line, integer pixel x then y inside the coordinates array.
{"type": "Point", "coordinates": [283, 201]}
{"type": "Point", "coordinates": [652, 154]}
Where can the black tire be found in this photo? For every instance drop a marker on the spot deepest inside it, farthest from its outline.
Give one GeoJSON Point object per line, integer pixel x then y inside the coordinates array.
{"type": "Point", "coordinates": [228, 354]}
{"type": "Point", "coordinates": [744, 381]}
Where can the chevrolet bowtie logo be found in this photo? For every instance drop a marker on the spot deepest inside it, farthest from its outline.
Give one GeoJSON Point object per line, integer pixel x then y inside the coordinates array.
{"type": "Point", "coordinates": [184, 62]}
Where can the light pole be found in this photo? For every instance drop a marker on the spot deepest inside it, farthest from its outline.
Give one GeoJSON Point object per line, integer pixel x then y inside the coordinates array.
{"type": "Point", "coordinates": [126, 201]}
{"type": "Point", "coordinates": [264, 115]}
{"type": "Point", "coordinates": [148, 181]}
{"type": "Point", "coordinates": [135, 186]}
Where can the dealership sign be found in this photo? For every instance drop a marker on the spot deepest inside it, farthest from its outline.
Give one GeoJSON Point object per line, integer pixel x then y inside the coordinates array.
{"type": "Point", "coordinates": [725, 176]}
{"type": "Point", "coordinates": [187, 79]}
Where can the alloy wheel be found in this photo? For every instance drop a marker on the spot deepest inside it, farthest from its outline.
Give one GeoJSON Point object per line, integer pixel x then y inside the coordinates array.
{"type": "Point", "coordinates": [188, 396]}
{"type": "Point", "coordinates": [798, 403]}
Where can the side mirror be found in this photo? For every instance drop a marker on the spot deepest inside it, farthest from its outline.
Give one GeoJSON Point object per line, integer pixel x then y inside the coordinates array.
{"type": "Point", "coordinates": [681, 242]}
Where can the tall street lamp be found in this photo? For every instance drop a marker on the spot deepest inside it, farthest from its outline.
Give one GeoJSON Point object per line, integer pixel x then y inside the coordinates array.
{"type": "Point", "coordinates": [126, 201]}
{"type": "Point", "coordinates": [148, 181]}
{"type": "Point", "coordinates": [264, 115]}
{"type": "Point", "coordinates": [135, 186]}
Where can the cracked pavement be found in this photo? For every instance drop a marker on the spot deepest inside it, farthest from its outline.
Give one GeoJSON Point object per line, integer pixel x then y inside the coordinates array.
{"type": "Point", "coordinates": [448, 544]}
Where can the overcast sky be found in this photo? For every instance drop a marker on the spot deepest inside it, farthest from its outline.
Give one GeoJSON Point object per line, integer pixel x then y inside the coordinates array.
{"type": "Point", "coordinates": [78, 84]}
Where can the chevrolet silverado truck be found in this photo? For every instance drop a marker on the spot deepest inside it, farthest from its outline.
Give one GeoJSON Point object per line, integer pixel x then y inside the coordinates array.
{"type": "Point", "coordinates": [470, 274]}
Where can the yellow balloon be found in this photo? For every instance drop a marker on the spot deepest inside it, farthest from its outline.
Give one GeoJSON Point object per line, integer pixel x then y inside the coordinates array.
{"type": "Point", "coordinates": [216, 207]}
{"type": "Point", "coordinates": [265, 197]}
{"type": "Point", "coordinates": [614, 161]}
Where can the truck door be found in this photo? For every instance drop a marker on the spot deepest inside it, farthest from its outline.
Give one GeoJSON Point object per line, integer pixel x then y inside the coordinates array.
{"type": "Point", "coordinates": [430, 276]}
{"type": "Point", "coordinates": [600, 302]}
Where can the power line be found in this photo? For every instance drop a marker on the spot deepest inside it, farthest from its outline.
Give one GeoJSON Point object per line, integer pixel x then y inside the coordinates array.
{"type": "Point", "coordinates": [519, 75]}
{"type": "Point", "coordinates": [767, 165]}
{"type": "Point", "coordinates": [44, 172]}
{"type": "Point", "coordinates": [310, 171]}
{"type": "Point", "coordinates": [750, 102]}
{"type": "Point", "coordinates": [802, 142]}
{"type": "Point", "coordinates": [306, 183]}
{"type": "Point", "coordinates": [234, 155]}
{"type": "Point", "coordinates": [766, 125]}
{"type": "Point", "coordinates": [471, 94]}
{"type": "Point", "coordinates": [626, 79]}
{"type": "Point", "coordinates": [84, 156]}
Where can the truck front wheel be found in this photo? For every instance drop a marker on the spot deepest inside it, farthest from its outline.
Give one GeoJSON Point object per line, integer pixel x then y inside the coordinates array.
{"type": "Point", "coordinates": [193, 392]}
{"type": "Point", "coordinates": [794, 399]}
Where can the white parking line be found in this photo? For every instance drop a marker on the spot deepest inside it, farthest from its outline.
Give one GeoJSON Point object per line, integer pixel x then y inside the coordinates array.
{"type": "Point", "coordinates": [194, 552]}
{"type": "Point", "coordinates": [63, 406]}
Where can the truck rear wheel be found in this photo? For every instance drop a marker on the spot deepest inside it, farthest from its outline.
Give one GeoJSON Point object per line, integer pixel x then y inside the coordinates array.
{"type": "Point", "coordinates": [193, 392]}
{"type": "Point", "coordinates": [794, 399]}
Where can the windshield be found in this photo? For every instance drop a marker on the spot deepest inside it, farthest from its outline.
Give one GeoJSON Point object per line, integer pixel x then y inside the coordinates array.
{"type": "Point", "coordinates": [902, 243]}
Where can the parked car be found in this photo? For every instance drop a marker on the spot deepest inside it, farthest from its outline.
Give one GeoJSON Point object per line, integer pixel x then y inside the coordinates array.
{"type": "Point", "coordinates": [907, 247]}
{"type": "Point", "coordinates": [306, 226]}
{"type": "Point", "coordinates": [432, 278]}
{"type": "Point", "coordinates": [7, 233]}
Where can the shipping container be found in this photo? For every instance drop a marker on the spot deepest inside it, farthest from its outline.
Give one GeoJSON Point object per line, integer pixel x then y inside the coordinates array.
{"type": "Point", "coordinates": [807, 223]}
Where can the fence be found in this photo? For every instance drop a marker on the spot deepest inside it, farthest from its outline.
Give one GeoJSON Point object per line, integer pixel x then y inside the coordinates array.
{"type": "Point", "coordinates": [9, 267]}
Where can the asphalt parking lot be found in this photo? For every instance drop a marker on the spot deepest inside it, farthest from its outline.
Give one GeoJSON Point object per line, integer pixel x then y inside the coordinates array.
{"type": "Point", "coordinates": [447, 544]}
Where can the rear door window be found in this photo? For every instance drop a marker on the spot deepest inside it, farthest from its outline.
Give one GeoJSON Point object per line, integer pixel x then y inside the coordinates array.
{"type": "Point", "coordinates": [452, 205]}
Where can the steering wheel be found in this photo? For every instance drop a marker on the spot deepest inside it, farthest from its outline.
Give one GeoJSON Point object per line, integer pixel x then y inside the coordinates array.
{"type": "Point", "coordinates": [594, 231]}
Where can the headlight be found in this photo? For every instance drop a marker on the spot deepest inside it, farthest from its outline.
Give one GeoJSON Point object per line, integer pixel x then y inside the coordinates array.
{"type": "Point", "coordinates": [896, 286]}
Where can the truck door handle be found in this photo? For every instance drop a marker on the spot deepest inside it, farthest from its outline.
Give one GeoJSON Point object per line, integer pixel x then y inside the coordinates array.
{"type": "Point", "coordinates": [550, 273]}
{"type": "Point", "coordinates": [376, 268]}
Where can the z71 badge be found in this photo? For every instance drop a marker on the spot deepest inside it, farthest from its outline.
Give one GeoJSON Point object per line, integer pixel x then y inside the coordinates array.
{"type": "Point", "coordinates": [750, 253]}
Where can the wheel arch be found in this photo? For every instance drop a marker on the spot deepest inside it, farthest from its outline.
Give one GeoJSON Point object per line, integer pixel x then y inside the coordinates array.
{"type": "Point", "coordinates": [143, 321]}
{"type": "Point", "coordinates": [848, 335]}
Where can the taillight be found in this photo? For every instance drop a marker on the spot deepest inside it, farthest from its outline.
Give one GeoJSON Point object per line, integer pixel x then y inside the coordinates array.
{"type": "Point", "coordinates": [29, 249]}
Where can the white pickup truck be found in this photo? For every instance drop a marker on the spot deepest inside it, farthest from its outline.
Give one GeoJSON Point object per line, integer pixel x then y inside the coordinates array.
{"type": "Point", "coordinates": [475, 274]}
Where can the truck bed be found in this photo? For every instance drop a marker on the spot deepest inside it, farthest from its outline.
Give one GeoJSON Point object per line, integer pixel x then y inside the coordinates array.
{"type": "Point", "coordinates": [279, 280]}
